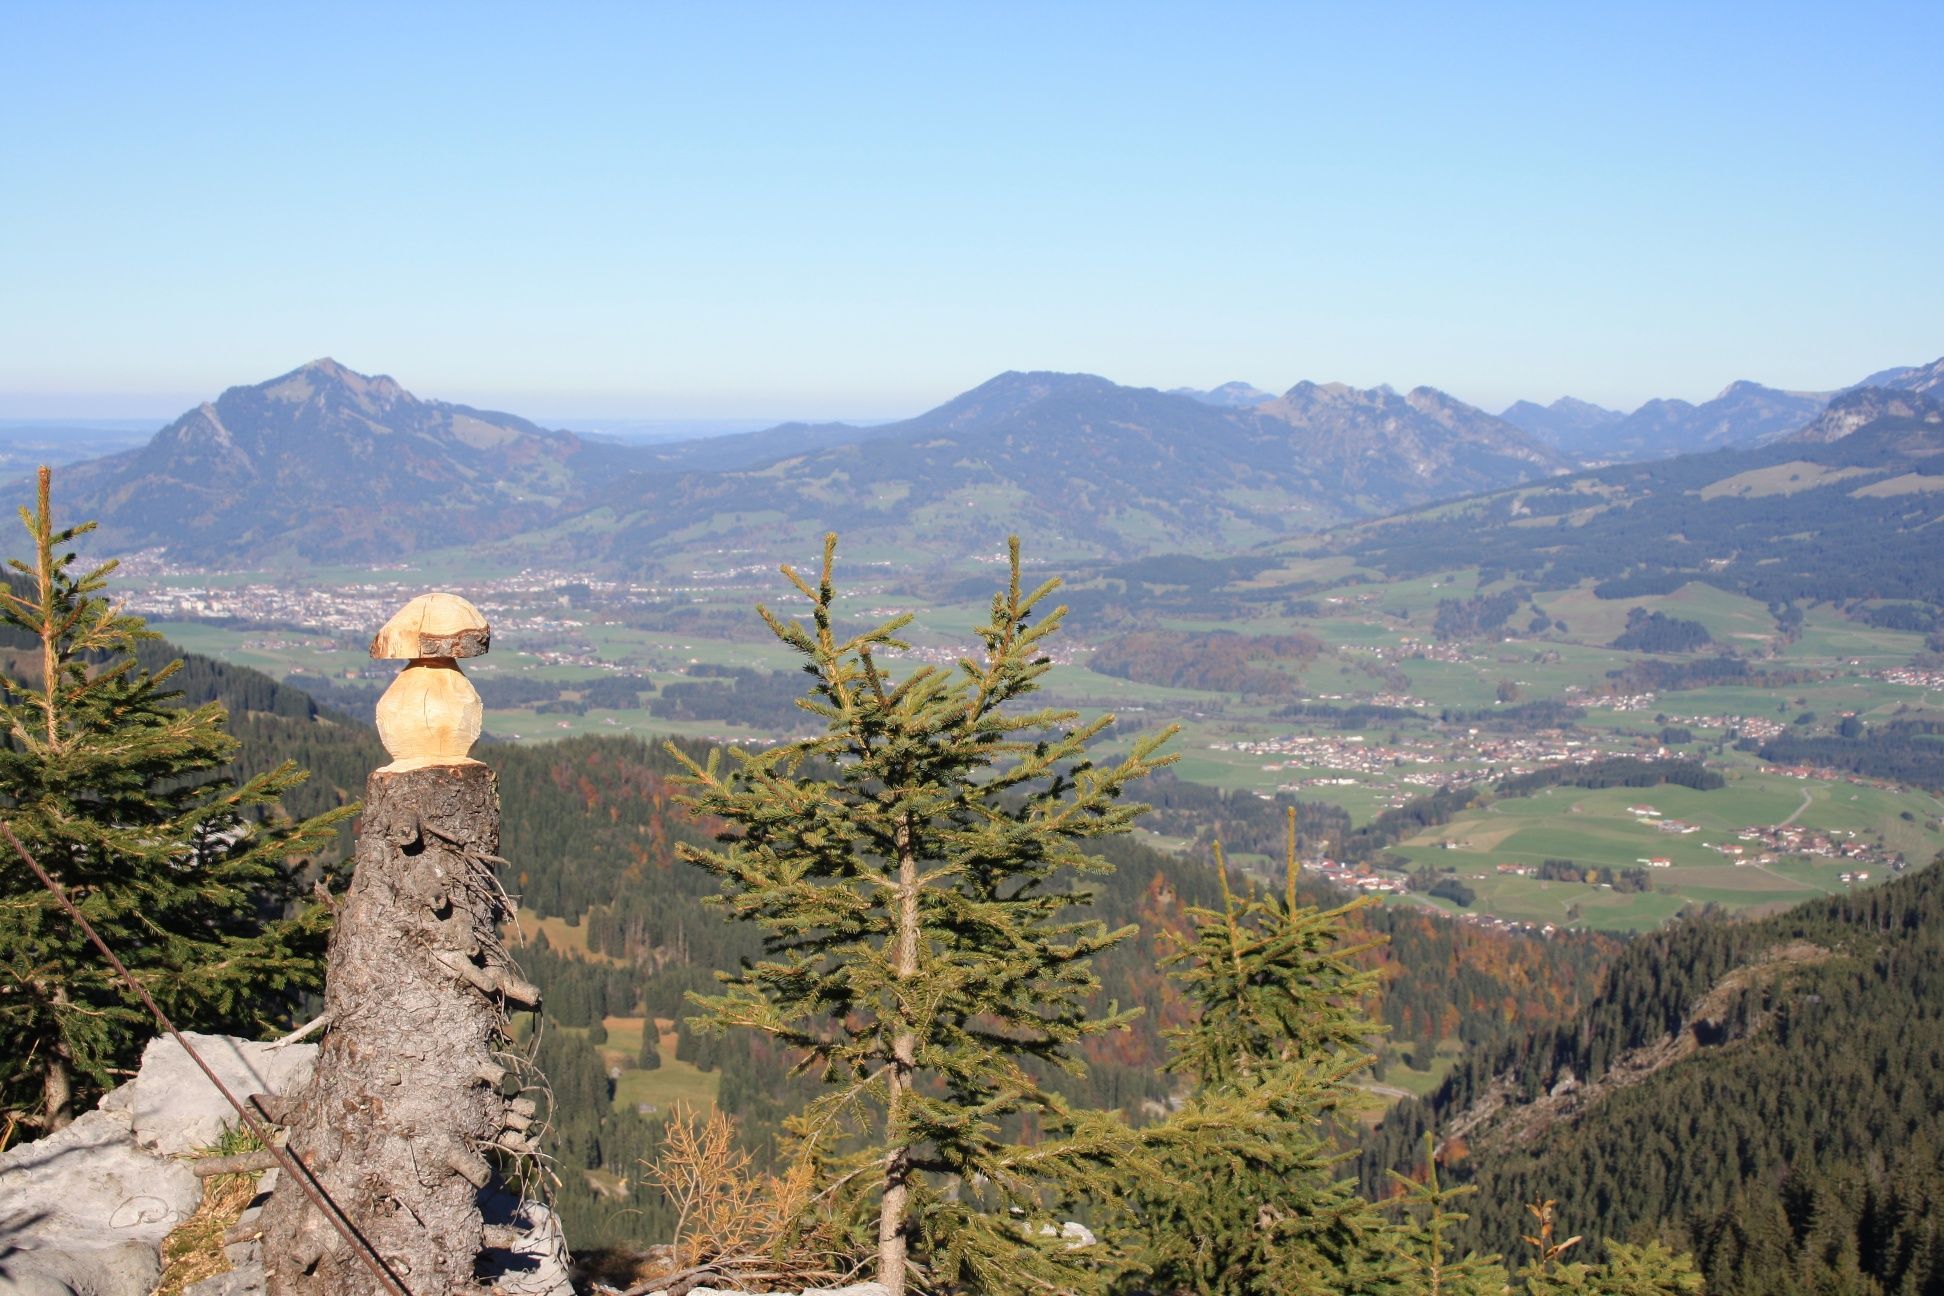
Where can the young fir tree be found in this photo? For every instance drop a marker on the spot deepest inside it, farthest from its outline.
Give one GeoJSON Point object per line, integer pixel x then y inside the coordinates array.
{"type": "Point", "coordinates": [1278, 990]}
{"type": "Point", "coordinates": [914, 869]}
{"type": "Point", "coordinates": [117, 791]}
{"type": "Point", "coordinates": [1422, 1258]}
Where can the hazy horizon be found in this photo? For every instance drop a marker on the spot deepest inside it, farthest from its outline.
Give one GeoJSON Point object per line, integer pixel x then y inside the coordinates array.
{"type": "Point", "coordinates": [555, 411]}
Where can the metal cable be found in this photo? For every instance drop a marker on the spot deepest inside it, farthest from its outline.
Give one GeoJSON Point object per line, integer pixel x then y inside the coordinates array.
{"type": "Point", "coordinates": [287, 1159]}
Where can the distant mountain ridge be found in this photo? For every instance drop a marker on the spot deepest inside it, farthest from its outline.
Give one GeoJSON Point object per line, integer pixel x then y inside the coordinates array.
{"type": "Point", "coordinates": [1910, 378]}
{"type": "Point", "coordinates": [1847, 509]}
{"type": "Point", "coordinates": [1386, 448]}
{"type": "Point", "coordinates": [332, 465]}
{"type": "Point", "coordinates": [327, 464]}
{"type": "Point", "coordinates": [1103, 470]}
{"type": "Point", "coordinates": [1743, 413]}
{"type": "Point", "coordinates": [1566, 424]}
{"type": "Point", "coordinates": [336, 465]}
{"type": "Point", "coordinates": [1230, 395]}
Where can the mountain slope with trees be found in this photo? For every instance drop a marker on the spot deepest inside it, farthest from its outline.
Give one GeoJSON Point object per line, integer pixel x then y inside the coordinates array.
{"type": "Point", "coordinates": [333, 465]}
{"type": "Point", "coordinates": [1768, 1093]}
{"type": "Point", "coordinates": [1849, 518]}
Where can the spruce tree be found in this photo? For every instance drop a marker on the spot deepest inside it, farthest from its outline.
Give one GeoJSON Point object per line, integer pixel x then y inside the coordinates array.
{"type": "Point", "coordinates": [914, 868]}
{"type": "Point", "coordinates": [118, 790]}
{"type": "Point", "coordinates": [1278, 989]}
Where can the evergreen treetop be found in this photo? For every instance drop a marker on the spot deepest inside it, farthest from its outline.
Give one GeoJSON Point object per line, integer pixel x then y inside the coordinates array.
{"type": "Point", "coordinates": [1273, 980]}
{"type": "Point", "coordinates": [1423, 1254]}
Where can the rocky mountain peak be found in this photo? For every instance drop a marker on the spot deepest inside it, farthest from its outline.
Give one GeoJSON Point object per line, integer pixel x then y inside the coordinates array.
{"type": "Point", "coordinates": [1573, 405]}
{"type": "Point", "coordinates": [325, 381]}
{"type": "Point", "coordinates": [1857, 408]}
{"type": "Point", "coordinates": [1431, 398]}
{"type": "Point", "coordinates": [1338, 393]}
{"type": "Point", "coordinates": [1015, 394]}
{"type": "Point", "coordinates": [1426, 435]}
{"type": "Point", "coordinates": [1911, 378]}
{"type": "Point", "coordinates": [332, 460]}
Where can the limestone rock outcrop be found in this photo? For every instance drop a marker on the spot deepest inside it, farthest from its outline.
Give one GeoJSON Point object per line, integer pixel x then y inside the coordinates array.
{"type": "Point", "coordinates": [84, 1211]}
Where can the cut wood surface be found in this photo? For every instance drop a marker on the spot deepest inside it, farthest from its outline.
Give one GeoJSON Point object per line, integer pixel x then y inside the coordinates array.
{"type": "Point", "coordinates": [433, 625]}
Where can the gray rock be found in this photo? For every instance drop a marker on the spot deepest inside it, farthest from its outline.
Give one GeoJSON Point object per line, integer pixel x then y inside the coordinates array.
{"type": "Point", "coordinates": [84, 1211]}
{"type": "Point", "coordinates": [245, 1277]}
{"type": "Point", "coordinates": [536, 1265]}
{"type": "Point", "coordinates": [174, 1108]}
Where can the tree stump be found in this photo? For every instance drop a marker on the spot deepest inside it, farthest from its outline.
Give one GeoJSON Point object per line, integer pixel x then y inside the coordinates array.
{"type": "Point", "coordinates": [408, 1096]}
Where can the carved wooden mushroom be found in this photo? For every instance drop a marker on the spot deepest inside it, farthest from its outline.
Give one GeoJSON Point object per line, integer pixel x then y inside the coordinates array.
{"type": "Point", "coordinates": [431, 714]}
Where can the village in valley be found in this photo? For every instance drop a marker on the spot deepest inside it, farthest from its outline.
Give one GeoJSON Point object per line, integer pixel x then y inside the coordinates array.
{"type": "Point", "coordinates": [1441, 714]}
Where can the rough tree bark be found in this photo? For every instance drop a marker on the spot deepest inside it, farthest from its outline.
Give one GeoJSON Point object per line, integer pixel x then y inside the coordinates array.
{"type": "Point", "coordinates": [406, 1098]}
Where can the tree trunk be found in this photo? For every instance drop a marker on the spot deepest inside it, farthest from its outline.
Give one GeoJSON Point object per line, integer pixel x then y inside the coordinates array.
{"type": "Point", "coordinates": [894, 1206]}
{"type": "Point", "coordinates": [406, 1096]}
{"type": "Point", "coordinates": [57, 1077]}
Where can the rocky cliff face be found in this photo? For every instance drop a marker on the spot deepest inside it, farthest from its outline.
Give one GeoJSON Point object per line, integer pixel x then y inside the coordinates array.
{"type": "Point", "coordinates": [1861, 406]}
{"type": "Point", "coordinates": [1376, 443]}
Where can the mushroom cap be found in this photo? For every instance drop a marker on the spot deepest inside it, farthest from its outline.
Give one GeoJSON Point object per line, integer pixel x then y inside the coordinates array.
{"type": "Point", "coordinates": [433, 625]}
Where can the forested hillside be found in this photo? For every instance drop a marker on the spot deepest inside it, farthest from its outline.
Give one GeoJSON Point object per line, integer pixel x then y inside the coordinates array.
{"type": "Point", "coordinates": [590, 826]}
{"type": "Point", "coordinates": [1796, 521]}
{"type": "Point", "coordinates": [1769, 1094]}
{"type": "Point", "coordinates": [589, 831]}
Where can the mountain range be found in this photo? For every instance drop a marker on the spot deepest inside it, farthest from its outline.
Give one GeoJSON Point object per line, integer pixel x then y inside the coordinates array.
{"type": "Point", "coordinates": [1744, 413]}
{"type": "Point", "coordinates": [1847, 508]}
{"type": "Point", "coordinates": [324, 464]}
{"type": "Point", "coordinates": [327, 464]}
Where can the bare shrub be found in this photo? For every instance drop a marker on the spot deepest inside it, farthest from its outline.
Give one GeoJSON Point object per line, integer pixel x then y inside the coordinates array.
{"type": "Point", "coordinates": [733, 1222]}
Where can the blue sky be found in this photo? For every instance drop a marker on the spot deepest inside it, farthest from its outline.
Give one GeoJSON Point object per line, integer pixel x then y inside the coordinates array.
{"type": "Point", "coordinates": [851, 210]}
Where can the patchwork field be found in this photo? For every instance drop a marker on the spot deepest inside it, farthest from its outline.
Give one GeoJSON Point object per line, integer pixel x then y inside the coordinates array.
{"type": "Point", "coordinates": [1381, 651]}
{"type": "Point", "coordinates": [1598, 828]}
